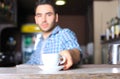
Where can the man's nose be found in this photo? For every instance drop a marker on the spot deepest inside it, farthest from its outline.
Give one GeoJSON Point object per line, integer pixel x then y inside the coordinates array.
{"type": "Point", "coordinates": [44, 18]}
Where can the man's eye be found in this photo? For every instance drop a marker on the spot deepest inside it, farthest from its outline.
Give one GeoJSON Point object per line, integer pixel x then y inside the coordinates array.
{"type": "Point", "coordinates": [49, 14]}
{"type": "Point", "coordinates": [38, 15]}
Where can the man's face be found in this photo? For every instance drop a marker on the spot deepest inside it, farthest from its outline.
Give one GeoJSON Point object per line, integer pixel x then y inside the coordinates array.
{"type": "Point", "coordinates": [45, 17]}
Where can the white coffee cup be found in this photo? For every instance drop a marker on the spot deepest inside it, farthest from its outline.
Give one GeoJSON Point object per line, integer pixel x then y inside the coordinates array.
{"type": "Point", "coordinates": [53, 59]}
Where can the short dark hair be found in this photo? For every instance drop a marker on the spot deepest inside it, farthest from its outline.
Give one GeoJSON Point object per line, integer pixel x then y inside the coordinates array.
{"type": "Point", "coordinates": [42, 2]}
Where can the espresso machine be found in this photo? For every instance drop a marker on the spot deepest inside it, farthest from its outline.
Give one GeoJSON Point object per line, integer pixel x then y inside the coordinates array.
{"type": "Point", "coordinates": [10, 54]}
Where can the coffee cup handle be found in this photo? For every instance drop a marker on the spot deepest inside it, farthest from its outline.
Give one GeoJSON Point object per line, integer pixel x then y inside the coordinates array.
{"type": "Point", "coordinates": [63, 59]}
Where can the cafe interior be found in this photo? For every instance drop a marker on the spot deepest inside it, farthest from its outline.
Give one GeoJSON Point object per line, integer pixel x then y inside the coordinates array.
{"type": "Point", "coordinates": [91, 20]}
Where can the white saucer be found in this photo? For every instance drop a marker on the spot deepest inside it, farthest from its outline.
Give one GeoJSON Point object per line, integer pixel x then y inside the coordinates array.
{"type": "Point", "coordinates": [51, 69]}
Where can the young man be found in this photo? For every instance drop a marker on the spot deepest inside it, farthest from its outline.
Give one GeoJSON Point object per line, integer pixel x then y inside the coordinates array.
{"type": "Point", "coordinates": [54, 39]}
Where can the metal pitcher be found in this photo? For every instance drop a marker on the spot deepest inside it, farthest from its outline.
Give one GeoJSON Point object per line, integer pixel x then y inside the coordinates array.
{"type": "Point", "coordinates": [114, 54]}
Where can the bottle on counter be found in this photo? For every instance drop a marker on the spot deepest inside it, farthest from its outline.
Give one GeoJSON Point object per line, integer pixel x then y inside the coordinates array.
{"type": "Point", "coordinates": [107, 34]}
{"type": "Point", "coordinates": [116, 27]}
{"type": "Point", "coordinates": [111, 29]}
{"type": "Point", "coordinates": [119, 26]}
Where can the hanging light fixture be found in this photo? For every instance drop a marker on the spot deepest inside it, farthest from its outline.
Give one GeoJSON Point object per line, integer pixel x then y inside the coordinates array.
{"type": "Point", "coordinates": [60, 2]}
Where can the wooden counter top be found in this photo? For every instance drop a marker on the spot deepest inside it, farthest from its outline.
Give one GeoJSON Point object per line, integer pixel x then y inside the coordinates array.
{"type": "Point", "coordinates": [82, 72]}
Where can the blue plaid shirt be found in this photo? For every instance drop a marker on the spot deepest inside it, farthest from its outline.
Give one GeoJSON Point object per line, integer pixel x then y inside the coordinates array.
{"type": "Point", "coordinates": [59, 40]}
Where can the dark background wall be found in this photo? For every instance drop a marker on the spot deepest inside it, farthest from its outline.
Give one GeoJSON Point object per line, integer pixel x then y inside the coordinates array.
{"type": "Point", "coordinates": [77, 24]}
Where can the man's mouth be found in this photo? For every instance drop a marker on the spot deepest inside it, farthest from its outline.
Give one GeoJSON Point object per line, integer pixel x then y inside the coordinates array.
{"type": "Point", "coordinates": [44, 25]}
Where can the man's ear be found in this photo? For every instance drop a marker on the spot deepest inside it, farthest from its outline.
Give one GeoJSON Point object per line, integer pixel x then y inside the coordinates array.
{"type": "Point", "coordinates": [35, 19]}
{"type": "Point", "coordinates": [56, 17]}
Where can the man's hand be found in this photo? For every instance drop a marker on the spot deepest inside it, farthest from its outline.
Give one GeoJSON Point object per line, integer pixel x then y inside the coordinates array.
{"type": "Point", "coordinates": [68, 63]}
{"type": "Point", "coordinates": [72, 57]}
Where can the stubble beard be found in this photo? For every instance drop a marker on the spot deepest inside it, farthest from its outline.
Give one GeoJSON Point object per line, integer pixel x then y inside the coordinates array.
{"type": "Point", "coordinates": [49, 30]}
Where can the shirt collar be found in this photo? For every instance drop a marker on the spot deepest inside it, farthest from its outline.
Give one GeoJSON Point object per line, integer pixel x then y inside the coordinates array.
{"type": "Point", "coordinates": [55, 30]}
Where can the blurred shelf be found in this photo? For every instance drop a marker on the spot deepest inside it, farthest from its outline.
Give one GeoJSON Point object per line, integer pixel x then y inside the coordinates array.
{"type": "Point", "coordinates": [111, 40]}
